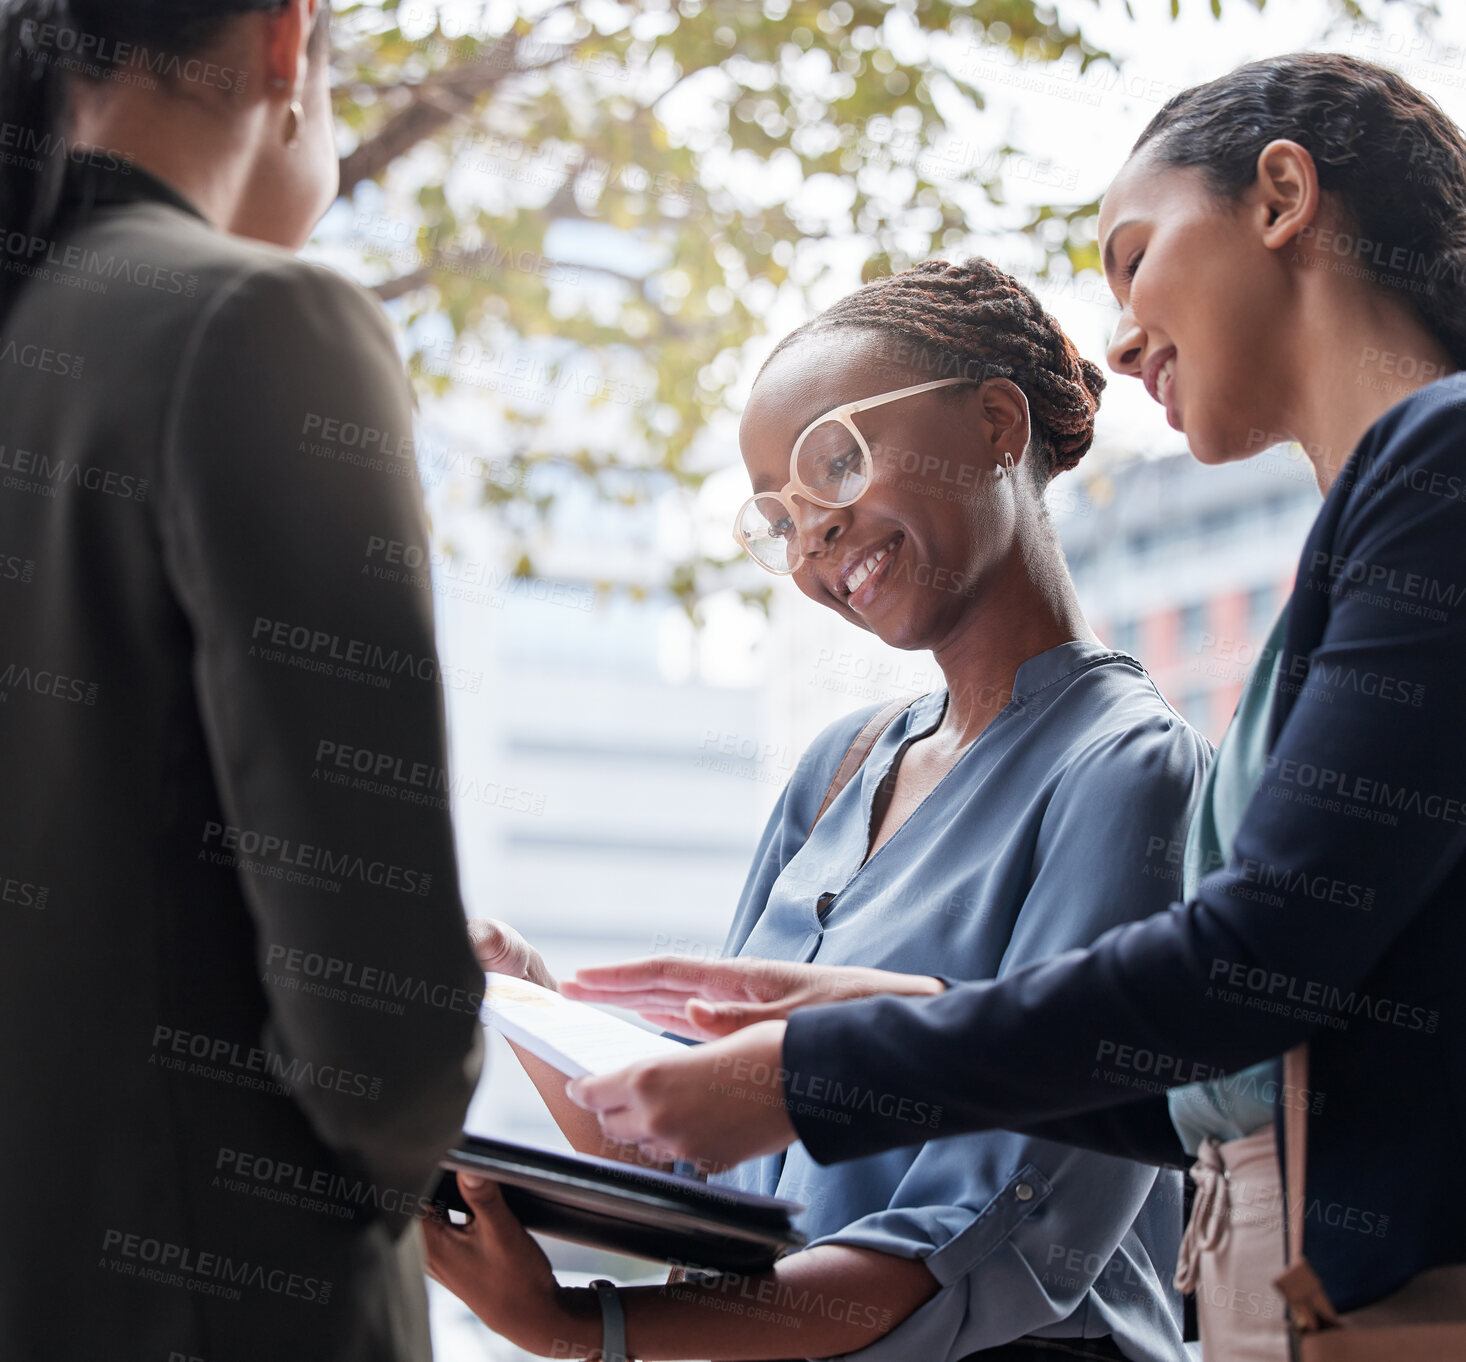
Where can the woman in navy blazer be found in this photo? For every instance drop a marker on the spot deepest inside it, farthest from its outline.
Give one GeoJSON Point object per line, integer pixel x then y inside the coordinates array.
{"type": "Point", "coordinates": [1287, 245]}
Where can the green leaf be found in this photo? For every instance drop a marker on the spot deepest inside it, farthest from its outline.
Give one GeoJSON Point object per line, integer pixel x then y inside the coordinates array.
{"type": "Point", "coordinates": [537, 194]}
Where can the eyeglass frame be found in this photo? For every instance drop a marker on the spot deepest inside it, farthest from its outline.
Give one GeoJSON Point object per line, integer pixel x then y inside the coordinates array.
{"type": "Point", "coordinates": [844, 414]}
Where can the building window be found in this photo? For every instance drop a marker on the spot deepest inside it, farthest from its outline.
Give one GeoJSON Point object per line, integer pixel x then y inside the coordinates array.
{"type": "Point", "coordinates": [1191, 627]}
{"type": "Point", "coordinates": [1195, 707]}
{"type": "Point", "coordinates": [1125, 636]}
{"type": "Point", "coordinates": [1260, 610]}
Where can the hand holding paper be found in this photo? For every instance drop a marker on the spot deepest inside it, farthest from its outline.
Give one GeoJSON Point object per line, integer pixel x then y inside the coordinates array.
{"type": "Point", "coordinates": [714, 1104]}
{"type": "Point", "coordinates": [572, 1037]}
{"type": "Point", "coordinates": [500, 949]}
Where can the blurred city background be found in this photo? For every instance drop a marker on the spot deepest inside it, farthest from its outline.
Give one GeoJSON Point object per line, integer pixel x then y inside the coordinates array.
{"type": "Point", "coordinates": [591, 221]}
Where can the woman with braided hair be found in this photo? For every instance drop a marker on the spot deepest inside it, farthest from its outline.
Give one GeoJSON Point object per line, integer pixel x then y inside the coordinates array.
{"type": "Point", "coordinates": [202, 1157]}
{"type": "Point", "coordinates": [899, 446]}
{"type": "Point", "coordinates": [1287, 244]}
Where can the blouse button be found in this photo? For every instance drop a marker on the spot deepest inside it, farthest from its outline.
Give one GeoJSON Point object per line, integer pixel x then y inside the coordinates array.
{"type": "Point", "coordinates": [1023, 1192]}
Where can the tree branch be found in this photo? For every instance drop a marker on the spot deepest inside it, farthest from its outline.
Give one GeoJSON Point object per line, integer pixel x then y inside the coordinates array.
{"type": "Point", "coordinates": [435, 102]}
{"type": "Point", "coordinates": [467, 262]}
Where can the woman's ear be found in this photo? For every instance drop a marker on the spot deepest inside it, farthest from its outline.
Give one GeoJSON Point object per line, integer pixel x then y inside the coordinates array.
{"type": "Point", "coordinates": [287, 49]}
{"type": "Point", "coordinates": [1005, 418]}
{"type": "Point", "coordinates": [1285, 194]}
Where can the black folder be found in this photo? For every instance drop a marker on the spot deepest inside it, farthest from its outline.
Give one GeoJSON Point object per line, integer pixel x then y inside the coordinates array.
{"type": "Point", "coordinates": [618, 1206]}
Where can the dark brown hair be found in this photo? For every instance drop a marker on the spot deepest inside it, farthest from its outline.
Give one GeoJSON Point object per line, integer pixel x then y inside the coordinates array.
{"type": "Point", "coordinates": [973, 320]}
{"type": "Point", "coordinates": [41, 43]}
{"type": "Point", "coordinates": [1394, 163]}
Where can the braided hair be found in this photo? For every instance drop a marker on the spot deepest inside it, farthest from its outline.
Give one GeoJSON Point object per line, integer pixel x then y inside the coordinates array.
{"type": "Point", "coordinates": [975, 320]}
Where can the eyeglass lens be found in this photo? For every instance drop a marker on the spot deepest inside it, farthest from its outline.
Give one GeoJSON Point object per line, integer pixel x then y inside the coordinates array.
{"type": "Point", "coordinates": [832, 467]}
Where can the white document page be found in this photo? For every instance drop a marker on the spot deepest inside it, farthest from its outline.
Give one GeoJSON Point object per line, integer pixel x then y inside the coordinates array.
{"type": "Point", "coordinates": [574, 1038]}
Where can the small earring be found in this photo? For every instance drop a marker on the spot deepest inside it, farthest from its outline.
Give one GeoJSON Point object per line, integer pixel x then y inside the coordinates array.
{"type": "Point", "coordinates": [295, 117]}
{"type": "Point", "coordinates": [1006, 470]}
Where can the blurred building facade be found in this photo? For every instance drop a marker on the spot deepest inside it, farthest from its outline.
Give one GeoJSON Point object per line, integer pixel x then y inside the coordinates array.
{"type": "Point", "coordinates": [1186, 566]}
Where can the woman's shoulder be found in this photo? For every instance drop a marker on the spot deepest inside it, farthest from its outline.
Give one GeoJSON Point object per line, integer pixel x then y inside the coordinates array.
{"type": "Point", "coordinates": [827, 749]}
{"type": "Point", "coordinates": [1102, 692]}
{"type": "Point", "coordinates": [1406, 478]}
{"type": "Point", "coordinates": [203, 276]}
{"type": "Point", "coordinates": [1444, 393]}
{"type": "Point", "coordinates": [278, 290]}
{"type": "Point", "coordinates": [820, 761]}
{"type": "Point", "coordinates": [1425, 427]}
{"type": "Point", "coordinates": [1122, 723]}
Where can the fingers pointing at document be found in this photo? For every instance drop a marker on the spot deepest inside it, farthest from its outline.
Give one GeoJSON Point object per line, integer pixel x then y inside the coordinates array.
{"type": "Point", "coordinates": [718, 1104]}
{"type": "Point", "coordinates": [705, 999]}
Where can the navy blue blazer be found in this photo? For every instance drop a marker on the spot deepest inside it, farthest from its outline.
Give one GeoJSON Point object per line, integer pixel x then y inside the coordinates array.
{"type": "Point", "coordinates": [1341, 918]}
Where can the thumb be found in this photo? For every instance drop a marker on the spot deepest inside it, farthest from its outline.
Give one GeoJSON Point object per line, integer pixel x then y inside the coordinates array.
{"type": "Point", "coordinates": [723, 1019]}
{"type": "Point", "coordinates": [480, 1193]}
{"type": "Point", "coordinates": [490, 941]}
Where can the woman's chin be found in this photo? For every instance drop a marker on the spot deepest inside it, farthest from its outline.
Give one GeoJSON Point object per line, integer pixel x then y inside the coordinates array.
{"type": "Point", "coordinates": [1210, 446]}
{"type": "Point", "coordinates": [1228, 436]}
{"type": "Point", "coordinates": [896, 629]}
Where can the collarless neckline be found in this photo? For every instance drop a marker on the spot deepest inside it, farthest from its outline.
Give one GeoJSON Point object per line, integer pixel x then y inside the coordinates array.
{"type": "Point", "coordinates": [1034, 675]}
{"type": "Point", "coordinates": [1053, 665]}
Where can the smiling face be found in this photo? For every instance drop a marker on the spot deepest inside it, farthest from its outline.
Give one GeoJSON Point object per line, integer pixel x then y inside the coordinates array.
{"type": "Point", "coordinates": [926, 541]}
{"type": "Point", "coordinates": [1201, 294]}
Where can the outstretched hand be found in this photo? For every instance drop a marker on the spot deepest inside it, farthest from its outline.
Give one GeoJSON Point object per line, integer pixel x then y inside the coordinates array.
{"type": "Point", "coordinates": [707, 999]}
{"type": "Point", "coordinates": [715, 1105]}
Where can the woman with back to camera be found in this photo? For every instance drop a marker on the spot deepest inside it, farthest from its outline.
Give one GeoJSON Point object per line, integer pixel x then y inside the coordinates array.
{"type": "Point", "coordinates": [899, 446]}
{"type": "Point", "coordinates": [1288, 247]}
{"type": "Point", "coordinates": [207, 1155]}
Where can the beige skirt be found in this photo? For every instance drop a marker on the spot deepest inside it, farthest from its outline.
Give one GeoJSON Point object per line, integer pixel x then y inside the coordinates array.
{"type": "Point", "coordinates": [1233, 1249]}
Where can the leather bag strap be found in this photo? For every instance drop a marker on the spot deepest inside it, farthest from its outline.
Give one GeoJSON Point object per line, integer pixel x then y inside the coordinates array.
{"type": "Point", "coordinates": [859, 750]}
{"type": "Point", "coordinates": [1309, 1306]}
{"type": "Point", "coordinates": [1295, 1145]}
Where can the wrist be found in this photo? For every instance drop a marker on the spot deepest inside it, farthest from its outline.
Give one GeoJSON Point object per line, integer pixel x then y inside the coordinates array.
{"type": "Point", "coordinates": [875, 982]}
{"type": "Point", "coordinates": [771, 1042]}
{"type": "Point", "coordinates": [571, 1326]}
{"type": "Point", "coordinates": [769, 1036]}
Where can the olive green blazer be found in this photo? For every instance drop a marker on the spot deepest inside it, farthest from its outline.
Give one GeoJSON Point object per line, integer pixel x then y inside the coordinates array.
{"type": "Point", "coordinates": [239, 1009]}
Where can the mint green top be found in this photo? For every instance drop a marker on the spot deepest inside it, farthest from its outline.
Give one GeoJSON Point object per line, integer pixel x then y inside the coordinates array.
{"type": "Point", "coordinates": [1240, 1103]}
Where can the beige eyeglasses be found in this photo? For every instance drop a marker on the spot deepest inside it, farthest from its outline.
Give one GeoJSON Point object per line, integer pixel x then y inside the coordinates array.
{"type": "Point", "coordinates": [830, 465]}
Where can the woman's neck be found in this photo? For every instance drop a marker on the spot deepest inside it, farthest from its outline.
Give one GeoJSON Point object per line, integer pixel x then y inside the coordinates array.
{"type": "Point", "coordinates": [1031, 609]}
{"type": "Point", "coordinates": [1359, 353]}
{"type": "Point", "coordinates": [203, 158]}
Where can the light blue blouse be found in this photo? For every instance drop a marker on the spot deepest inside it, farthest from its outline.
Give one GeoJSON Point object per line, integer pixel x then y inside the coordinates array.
{"type": "Point", "coordinates": [1063, 819]}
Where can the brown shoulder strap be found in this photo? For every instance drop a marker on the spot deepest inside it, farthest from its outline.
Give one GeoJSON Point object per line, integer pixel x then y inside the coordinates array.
{"type": "Point", "coordinates": [859, 750]}
{"type": "Point", "coordinates": [1309, 1307]}
{"type": "Point", "coordinates": [1295, 1144]}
